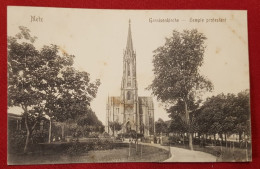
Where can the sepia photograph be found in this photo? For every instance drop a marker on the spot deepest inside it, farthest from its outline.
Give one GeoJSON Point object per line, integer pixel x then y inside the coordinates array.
{"type": "Point", "coordinates": [113, 86]}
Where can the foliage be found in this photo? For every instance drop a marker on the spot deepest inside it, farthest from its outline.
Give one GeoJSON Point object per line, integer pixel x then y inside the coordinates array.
{"type": "Point", "coordinates": [160, 127]}
{"type": "Point", "coordinates": [211, 116]}
{"type": "Point", "coordinates": [225, 114]}
{"type": "Point", "coordinates": [44, 82]}
{"type": "Point", "coordinates": [241, 113]}
{"type": "Point", "coordinates": [178, 124]}
{"type": "Point", "coordinates": [176, 69]}
{"type": "Point", "coordinates": [89, 123]}
{"type": "Point", "coordinates": [131, 134]}
{"type": "Point", "coordinates": [75, 149]}
{"type": "Point", "coordinates": [39, 136]}
{"type": "Point", "coordinates": [16, 141]}
{"type": "Point", "coordinates": [17, 138]}
{"type": "Point", "coordinates": [115, 126]}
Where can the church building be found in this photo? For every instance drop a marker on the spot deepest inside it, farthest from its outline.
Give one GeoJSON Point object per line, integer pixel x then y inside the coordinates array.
{"type": "Point", "coordinates": [133, 112]}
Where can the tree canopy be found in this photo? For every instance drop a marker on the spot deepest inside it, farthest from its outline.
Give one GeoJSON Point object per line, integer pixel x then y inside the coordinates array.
{"type": "Point", "coordinates": [90, 122]}
{"type": "Point", "coordinates": [176, 68]}
{"type": "Point", "coordinates": [161, 126]}
{"type": "Point", "coordinates": [225, 114]}
{"type": "Point", "coordinates": [44, 81]}
{"type": "Point", "coordinates": [115, 126]}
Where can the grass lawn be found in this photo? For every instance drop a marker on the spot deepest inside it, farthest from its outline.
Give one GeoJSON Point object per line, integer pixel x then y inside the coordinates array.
{"type": "Point", "coordinates": [121, 154]}
{"type": "Point", "coordinates": [226, 155]}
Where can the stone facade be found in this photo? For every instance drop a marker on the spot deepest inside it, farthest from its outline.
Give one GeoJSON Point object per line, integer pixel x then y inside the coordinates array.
{"type": "Point", "coordinates": [132, 111]}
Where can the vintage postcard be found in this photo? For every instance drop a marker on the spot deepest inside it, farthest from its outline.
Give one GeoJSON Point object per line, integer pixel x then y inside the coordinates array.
{"type": "Point", "coordinates": [95, 86]}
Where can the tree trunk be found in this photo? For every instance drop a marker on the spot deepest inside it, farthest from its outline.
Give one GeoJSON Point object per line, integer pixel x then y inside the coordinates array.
{"type": "Point", "coordinates": [183, 139]}
{"type": "Point", "coordinates": [136, 144]}
{"type": "Point", "coordinates": [62, 132]}
{"type": "Point", "coordinates": [190, 141]}
{"type": "Point", "coordinates": [226, 139]}
{"type": "Point", "coordinates": [50, 131]}
{"type": "Point", "coordinates": [239, 137]}
{"type": "Point", "coordinates": [221, 137]}
{"type": "Point", "coordinates": [129, 153]}
{"type": "Point", "coordinates": [221, 141]}
{"type": "Point", "coordinates": [189, 125]}
{"type": "Point", "coordinates": [114, 130]}
{"type": "Point", "coordinates": [215, 139]}
{"type": "Point", "coordinates": [206, 136]}
{"type": "Point", "coordinates": [28, 134]}
{"type": "Point", "coordinates": [200, 139]}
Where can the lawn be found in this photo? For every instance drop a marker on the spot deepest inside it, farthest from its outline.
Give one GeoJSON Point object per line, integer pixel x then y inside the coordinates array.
{"type": "Point", "coordinates": [120, 154]}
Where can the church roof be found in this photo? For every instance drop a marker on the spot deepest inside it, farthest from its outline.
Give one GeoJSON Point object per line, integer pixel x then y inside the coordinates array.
{"type": "Point", "coordinates": [114, 100]}
{"type": "Point", "coordinates": [14, 116]}
{"type": "Point", "coordinates": [147, 101]}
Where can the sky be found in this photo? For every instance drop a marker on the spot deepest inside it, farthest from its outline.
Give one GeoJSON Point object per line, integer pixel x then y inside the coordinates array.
{"type": "Point", "coordinates": [98, 38]}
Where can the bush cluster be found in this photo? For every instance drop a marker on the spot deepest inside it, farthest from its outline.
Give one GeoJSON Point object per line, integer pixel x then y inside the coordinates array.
{"type": "Point", "coordinates": [16, 141]}
{"type": "Point", "coordinates": [131, 134]}
{"type": "Point", "coordinates": [40, 136]}
{"type": "Point", "coordinates": [77, 148]}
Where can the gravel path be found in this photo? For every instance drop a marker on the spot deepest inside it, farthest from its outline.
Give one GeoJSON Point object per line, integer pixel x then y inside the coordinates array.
{"type": "Point", "coordinates": [184, 155]}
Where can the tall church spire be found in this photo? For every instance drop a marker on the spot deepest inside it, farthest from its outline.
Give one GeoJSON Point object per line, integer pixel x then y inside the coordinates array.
{"type": "Point", "coordinates": [129, 43]}
{"type": "Point", "coordinates": [129, 83]}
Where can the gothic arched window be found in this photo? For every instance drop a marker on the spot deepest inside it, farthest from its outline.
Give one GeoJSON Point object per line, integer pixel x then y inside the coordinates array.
{"type": "Point", "coordinates": [128, 69]}
{"type": "Point", "coordinates": [128, 83]}
{"type": "Point", "coordinates": [128, 95]}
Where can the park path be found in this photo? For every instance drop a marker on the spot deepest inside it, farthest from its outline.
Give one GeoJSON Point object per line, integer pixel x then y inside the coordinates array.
{"type": "Point", "coordinates": [184, 155]}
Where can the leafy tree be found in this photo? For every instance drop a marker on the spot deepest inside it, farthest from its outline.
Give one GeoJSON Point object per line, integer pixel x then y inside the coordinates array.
{"type": "Point", "coordinates": [215, 107]}
{"type": "Point", "coordinates": [176, 69]}
{"type": "Point", "coordinates": [225, 114]}
{"type": "Point", "coordinates": [177, 114]}
{"type": "Point", "coordinates": [241, 112]}
{"type": "Point", "coordinates": [228, 120]}
{"type": "Point", "coordinates": [90, 123]}
{"type": "Point", "coordinates": [115, 126]}
{"type": "Point", "coordinates": [44, 82]}
{"type": "Point", "coordinates": [161, 126]}
{"type": "Point", "coordinates": [178, 125]}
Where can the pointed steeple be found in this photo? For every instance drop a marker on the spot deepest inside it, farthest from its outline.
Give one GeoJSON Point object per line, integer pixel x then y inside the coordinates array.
{"type": "Point", "coordinates": [129, 82]}
{"type": "Point", "coordinates": [129, 43]}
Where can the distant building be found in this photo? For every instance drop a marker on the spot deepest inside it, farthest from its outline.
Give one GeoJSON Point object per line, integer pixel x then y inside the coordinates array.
{"type": "Point", "coordinates": [14, 121]}
{"type": "Point", "coordinates": [132, 111]}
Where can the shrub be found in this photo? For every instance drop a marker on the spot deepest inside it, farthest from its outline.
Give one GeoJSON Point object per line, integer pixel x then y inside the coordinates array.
{"type": "Point", "coordinates": [40, 136]}
{"type": "Point", "coordinates": [93, 135]}
{"type": "Point", "coordinates": [106, 135]}
{"type": "Point", "coordinates": [16, 141]}
{"type": "Point", "coordinates": [108, 145]}
{"type": "Point", "coordinates": [76, 149]}
{"type": "Point", "coordinates": [90, 146]}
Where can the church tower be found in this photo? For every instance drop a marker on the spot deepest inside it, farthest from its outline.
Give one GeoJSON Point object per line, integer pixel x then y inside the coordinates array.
{"type": "Point", "coordinates": [133, 112]}
{"type": "Point", "coordinates": [129, 82]}
{"type": "Point", "coordinates": [129, 96]}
